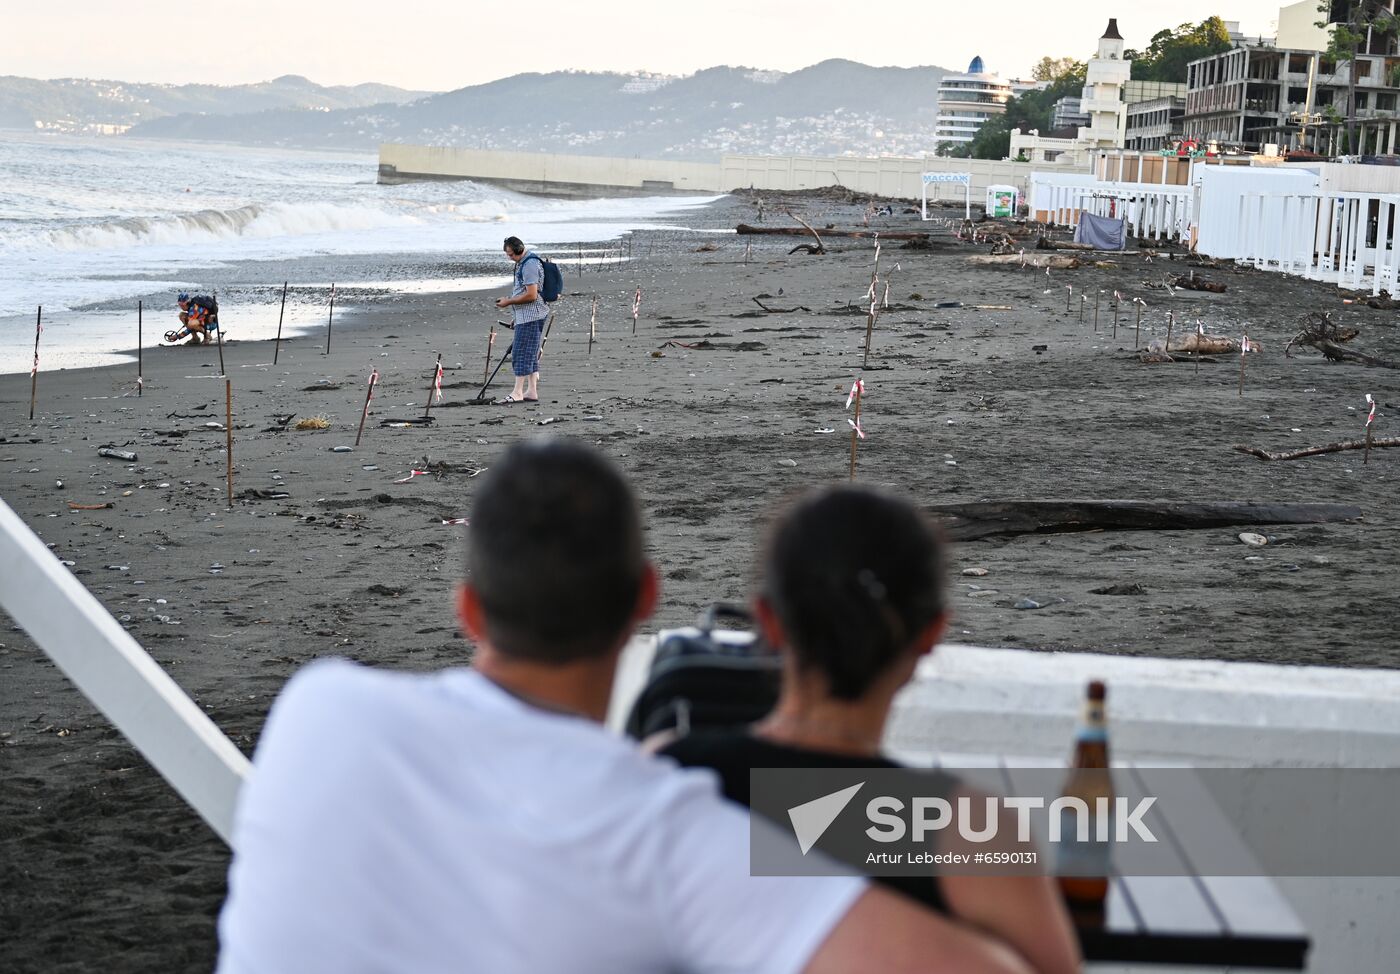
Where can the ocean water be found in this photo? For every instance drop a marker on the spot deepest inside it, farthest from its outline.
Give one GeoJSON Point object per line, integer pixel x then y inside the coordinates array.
{"type": "Point", "coordinates": [91, 226]}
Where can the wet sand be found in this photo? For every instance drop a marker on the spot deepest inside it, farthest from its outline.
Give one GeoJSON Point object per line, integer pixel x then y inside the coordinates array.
{"type": "Point", "coordinates": [101, 865]}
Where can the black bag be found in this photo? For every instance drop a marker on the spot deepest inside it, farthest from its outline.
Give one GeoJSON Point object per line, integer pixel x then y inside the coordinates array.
{"type": "Point", "coordinates": [552, 284]}
{"type": "Point", "coordinates": [700, 678]}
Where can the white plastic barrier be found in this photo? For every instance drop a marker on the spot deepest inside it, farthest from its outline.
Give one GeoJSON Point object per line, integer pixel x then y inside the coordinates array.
{"type": "Point", "coordinates": [1153, 211]}
{"type": "Point", "coordinates": [1344, 238]}
{"type": "Point", "coordinates": [118, 676]}
{"type": "Point", "coordinates": [1220, 197]}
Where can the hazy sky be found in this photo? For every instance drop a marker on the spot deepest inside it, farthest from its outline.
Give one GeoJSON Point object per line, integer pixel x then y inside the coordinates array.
{"type": "Point", "coordinates": [441, 45]}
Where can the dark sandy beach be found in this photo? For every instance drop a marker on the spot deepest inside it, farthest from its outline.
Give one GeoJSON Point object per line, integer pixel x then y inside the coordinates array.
{"type": "Point", "coordinates": [103, 868]}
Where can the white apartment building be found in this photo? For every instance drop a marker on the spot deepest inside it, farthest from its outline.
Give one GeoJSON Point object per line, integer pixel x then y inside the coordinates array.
{"type": "Point", "coordinates": [966, 101]}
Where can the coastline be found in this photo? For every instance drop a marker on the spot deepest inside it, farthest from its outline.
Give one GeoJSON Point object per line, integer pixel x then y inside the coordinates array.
{"type": "Point", "coordinates": [102, 865]}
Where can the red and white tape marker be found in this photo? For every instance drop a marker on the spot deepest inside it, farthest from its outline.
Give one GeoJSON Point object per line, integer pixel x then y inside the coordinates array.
{"type": "Point", "coordinates": [857, 389]}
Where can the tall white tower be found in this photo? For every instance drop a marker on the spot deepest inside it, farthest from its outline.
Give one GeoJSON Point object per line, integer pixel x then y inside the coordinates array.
{"type": "Point", "coordinates": [1107, 73]}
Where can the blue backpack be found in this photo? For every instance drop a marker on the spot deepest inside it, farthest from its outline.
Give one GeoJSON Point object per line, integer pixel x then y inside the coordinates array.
{"type": "Point", "coordinates": [553, 284]}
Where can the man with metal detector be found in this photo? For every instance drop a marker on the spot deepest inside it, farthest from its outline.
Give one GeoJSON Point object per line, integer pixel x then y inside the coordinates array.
{"type": "Point", "coordinates": [199, 318]}
{"type": "Point", "coordinates": [528, 312]}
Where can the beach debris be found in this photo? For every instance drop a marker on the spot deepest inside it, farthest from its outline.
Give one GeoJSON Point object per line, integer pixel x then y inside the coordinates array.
{"type": "Point", "coordinates": [1027, 604]}
{"type": "Point", "coordinates": [1325, 335]}
{"type": "Point", "coordinates": [824, 429]}
{"type": "Point", "coordinates": [1190, 282]}
{"type": "Point", "coordinates": [263, 494]}
{"type": "Point", "coordinates": [408, 422]}
{"type": "Point", "coordinates": [75, 506]}
{"type": "Point", "coordinates": [1253, 540]}
{"type": "Point", "coordinates": [216, 569]}
{"type": "Point", "coordinates": [411, 475]}
{"type": "Point", "coordinates": [985, 519]}
{"type": "Point", "coordinates": [1312, 451]}
{"type": "Point", "coordinates": [975, 572]}
{"type": "Point", "coordinates": [455, 520]}
{"type": "Point", "coordinates": [115, 454]}
{"type": "Point", "coordinates": [323, 385]}
{"type": "Point", "coordinates": [704, 248]}
{"type": "Point", "coordinates": [1122, 588]}
{"type": "Point", "coordinates": [779, 311]}
{"type": "Point", "coordinates": [58, 484]}
{"type": "Point", "coordinates": [1038, 261]}
{"type": "Point", "coordinates": [342, 449]}
{"type": "Point", "coordinates": [313, 423]}
{"type": "Point", "coordinates": [787, 462]}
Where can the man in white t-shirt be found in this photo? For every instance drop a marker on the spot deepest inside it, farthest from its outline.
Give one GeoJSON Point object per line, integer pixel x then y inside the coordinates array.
{"type": "Point", "coordinates": [482, 820]}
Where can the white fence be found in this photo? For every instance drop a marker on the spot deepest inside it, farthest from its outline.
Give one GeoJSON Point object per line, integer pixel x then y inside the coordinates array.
{"type": "Point", "coordinates": [1344, 238]}
{"type": "Point", "coordinates": [1153, 211]}
{"type": "Point", "coordinates": [1273, 218]}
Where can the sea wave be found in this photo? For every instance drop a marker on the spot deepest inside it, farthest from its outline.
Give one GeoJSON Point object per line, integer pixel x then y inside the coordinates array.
{"type": "Point", "coordinates": [254, 221]}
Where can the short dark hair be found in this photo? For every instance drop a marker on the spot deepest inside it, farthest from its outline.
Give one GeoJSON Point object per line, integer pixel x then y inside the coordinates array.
{"type": "Point", "coordinates": [554, 552]}
{"type": "Point", "coordinates": [853, 575]}
{"type": "Point", "coordinates": [515, 245]}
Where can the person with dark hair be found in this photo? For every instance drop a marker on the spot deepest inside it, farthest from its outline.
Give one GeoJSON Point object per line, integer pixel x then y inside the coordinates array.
{"type": "Point", "coordinates": [852, 595]}
{"type": "Point", "coordinates": [528, 314]}
{"type": "Point", "coordinates": [199, 316]}
{"type": "Point", "coordinates": [482, 819]}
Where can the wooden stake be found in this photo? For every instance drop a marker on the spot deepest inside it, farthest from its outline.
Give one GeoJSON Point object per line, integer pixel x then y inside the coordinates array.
{"type": "Point", "coordinates": [220, 333]}
{"type": "Point", "coordinates": [369, 394]}
{"type": "Point", "coordinates": [593, 325]}
{"type": "Point", "coordinates": [34, 372]}
{"type": "Point", "coordinates": [636, 309]}
{"type": "Point", "coordinates": [277, 348]}
{"type": "Point", "coordinates": [433, 386]}
{"type": "Point", "coordinates": [1082, 300]}
{"type": "Point", "coordinates": [869, 331]}
{"type": "Point", "coordinates": [1137, 330]}
{"type": "Point", "coordinates": [490, 346]}
{"type": "Point", "coordinates": [139, 383]}
{"type": "Point", "coordinates": [1244, 348]}
{"type": "Point", "coordinates": [1117, 300]}
{"type": "Point", "coordinates": [855, 433]}
{"type": "Point", "coordinates": [748, 250]}
{"type": "Point", "coordinates": [228, 428]}
{"type": "Point", "coordinates": [1098, 296]}
{"type": "Point", "coordinates": [1069, 293]}
{"type": "Point", "coordinates": [1171, 320]}
{"type": "Point", "coordinates": [330, 316]}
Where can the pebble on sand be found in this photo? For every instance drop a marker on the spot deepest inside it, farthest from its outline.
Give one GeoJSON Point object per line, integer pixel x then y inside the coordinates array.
{"type": "Point", "coordinates": [1254, 540]}
{"type": "Point", "coordinates": [974, 572]}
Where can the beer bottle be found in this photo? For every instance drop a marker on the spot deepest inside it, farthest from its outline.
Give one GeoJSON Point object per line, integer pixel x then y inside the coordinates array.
{"type": "Point", "coordinates": [1088, 863]}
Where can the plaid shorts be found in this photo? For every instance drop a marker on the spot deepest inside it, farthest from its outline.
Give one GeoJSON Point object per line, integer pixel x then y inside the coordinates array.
{"type": "Point", "coordinates": [525, 348]}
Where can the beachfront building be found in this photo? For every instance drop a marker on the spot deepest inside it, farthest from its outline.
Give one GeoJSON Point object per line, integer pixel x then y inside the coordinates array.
{"type": "Point", "coordinates": [966, 101]}
{"type": "Point", "coordinates": [1102, 102]}
{"type": "Point", "coordinates": [1066, 113]}
{"type": "Point", "coordinates": [1255, 96]}
{"type": "Point", "coordinates": [1155, 123]}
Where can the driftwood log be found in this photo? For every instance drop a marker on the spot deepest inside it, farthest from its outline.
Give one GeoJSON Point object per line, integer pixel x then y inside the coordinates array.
{"type": "Point", "coordinates": [1032, 259]}
{"type": "Point", "coordinates": [1045, 243]}
{"type": "Point", "coordinates": [969, 522]}
{"type": "Point", "coordinates": [1325, 335]}
{"type": "Point", "coordinates": [744, 229]}
{"type": "Point", "coordinates": [1190, 282]}
{"type": "Point", "coordinates": [1377, 443]}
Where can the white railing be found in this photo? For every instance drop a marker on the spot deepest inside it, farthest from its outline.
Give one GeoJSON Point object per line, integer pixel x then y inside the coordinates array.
{"type": "Point", "coordinates": [118, 676]}
{"type": "Point", "coordinates": [1348, 239]}
{"type": "Point", "coordinates": [1153, 211]}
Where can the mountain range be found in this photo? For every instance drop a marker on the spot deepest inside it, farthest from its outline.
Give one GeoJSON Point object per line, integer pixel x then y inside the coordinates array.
{"type": "Point", "coordinates": [82, 104]}
{"type": "Point", "coordinates": [834, 107]}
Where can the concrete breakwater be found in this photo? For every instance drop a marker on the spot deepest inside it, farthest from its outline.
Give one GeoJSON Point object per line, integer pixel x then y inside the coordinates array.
{"type": "Point", "coordinates": [557, 174]}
